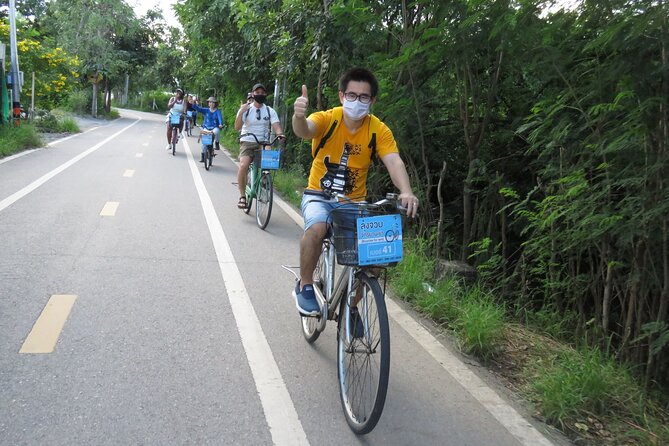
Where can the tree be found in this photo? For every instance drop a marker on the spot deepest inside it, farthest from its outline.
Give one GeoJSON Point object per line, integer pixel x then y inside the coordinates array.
{"type": "Point", "coordinates": [94, 30]}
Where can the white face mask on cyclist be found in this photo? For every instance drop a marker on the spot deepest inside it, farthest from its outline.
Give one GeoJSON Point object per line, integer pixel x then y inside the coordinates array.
{"type": "Point", "coordinates": [355, 110]}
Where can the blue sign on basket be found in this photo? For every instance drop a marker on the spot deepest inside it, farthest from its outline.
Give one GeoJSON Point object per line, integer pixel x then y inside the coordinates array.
{"type": "Point", "coordinates": [270, 159]}
{"type": "Point", "coordinates": [379, 239]}
{"type": "Point", "coordinates": [175, 119]}
{"type": "Point", "coordinates": [207, 139]}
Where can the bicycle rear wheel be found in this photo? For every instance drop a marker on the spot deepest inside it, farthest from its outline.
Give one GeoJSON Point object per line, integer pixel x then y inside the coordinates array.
{"type": "Point", "coordinates": [264, 200]}
{"type": "Point", "coordinates": [310, 324]}
{"type": "Point", "coordinates": [249, 189]}
{"type": "Point", "coordinates": [363, 355]}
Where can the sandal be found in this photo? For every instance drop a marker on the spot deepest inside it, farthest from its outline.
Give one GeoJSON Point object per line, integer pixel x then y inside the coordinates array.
{"type": "Point", "coordinates": [241, 204]}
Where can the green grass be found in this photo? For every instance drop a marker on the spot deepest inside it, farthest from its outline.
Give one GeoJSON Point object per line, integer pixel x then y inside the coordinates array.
{"type": "Point", "coordinates": [56, 122]}
{"type": "Point", "coordinates": [290, 182]}
{"type": "Point", "coordinates": [413, 271]}
{"type": "Point", "coordinates": [69, 124]}
{"type": "Point", "coordinates": [479, 323]}
{"type": "Point", "coordinates": [18, 138]}
{"type": "Point", "coordinates": [476, 320]}
{"type": "Point", "coordinates": [589, 392]}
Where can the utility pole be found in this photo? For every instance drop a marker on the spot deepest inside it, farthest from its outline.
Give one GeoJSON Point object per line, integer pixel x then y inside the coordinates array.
{"type": "Point", "coordinates": [15, 78]}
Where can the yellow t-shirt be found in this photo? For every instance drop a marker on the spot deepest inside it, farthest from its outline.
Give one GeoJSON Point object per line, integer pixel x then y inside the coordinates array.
{"type": "Point", "coordinates": [342, 164]}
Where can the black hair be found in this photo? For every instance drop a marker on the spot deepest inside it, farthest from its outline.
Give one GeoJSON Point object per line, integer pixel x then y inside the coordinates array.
{"type": "Point", "coordinates": [359, 75]}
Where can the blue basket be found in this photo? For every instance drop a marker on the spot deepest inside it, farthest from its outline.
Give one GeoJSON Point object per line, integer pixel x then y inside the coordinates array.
{"type": "Point", "coordinates": [206, 139]}
{"type": "Point", "coordinates": [175, 119]}
{"type": "Point", "coordinates": [269, 159]}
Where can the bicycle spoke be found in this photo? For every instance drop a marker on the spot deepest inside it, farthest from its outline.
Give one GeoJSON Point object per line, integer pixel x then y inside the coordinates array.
{"type": "Point", "coordinates": [364, 361]}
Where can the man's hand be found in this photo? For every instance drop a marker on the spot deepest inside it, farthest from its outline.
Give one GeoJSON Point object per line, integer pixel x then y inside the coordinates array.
{"type": "Point", "coordinates": [410, 202]}
{"type": "Point", "coordinates": [301, 104]}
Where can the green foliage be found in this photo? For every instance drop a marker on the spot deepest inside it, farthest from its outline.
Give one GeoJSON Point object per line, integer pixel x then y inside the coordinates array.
{"type": "Point", "coordinates": [479, 324]}
{"type": "Point", "coordinates": [413, 271]}
{"type": "Point", "coordinates": [580, 382]}
{"type": "Point", "coordinates": [477, 321]}
{"type": "Point", "coordinates": [56, 71]}
{"type": "Point", "coordinates": [290, 183]}
{"type": "Point", "coordinates": [50, 123]}
{"type": "Point", "coordinates": [14, 139]}
{"type": "Point", "coordinates": [78, 102]}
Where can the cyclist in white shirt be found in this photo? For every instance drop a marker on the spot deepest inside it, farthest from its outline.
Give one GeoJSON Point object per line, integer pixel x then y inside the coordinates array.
{"type": "Point", "coordinates": [177, 106]}
{"type": "Point", "coordinates": [257, 118]}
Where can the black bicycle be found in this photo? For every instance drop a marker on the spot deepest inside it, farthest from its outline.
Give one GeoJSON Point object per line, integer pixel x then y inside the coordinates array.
{"type": "Point", "coordinates": [175, 124]}
{"type": "Point", "coordinates": [207, 139]}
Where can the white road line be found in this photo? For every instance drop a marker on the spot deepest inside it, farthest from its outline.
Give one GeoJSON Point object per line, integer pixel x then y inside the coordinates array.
{"type": "Point", "coordinates": [282, 419]}
{"type": "Point", "coordinates": [17, 155]}
{"type": "Point", "coordinates": [40, 181]}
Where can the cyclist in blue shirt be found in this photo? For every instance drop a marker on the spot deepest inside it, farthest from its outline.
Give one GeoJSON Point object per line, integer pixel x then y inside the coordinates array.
{"type": "Point", "coordinates": [213, 120]}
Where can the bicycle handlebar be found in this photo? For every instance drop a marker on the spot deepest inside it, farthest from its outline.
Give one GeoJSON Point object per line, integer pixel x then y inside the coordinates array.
{"type": "Point", "coordinates": [391, 200]}
{"type": "Point", "coordinates": [264, 143]}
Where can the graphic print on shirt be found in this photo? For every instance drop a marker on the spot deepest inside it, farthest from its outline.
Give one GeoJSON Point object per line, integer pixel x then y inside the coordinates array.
{"type": "Point", "coordinates": [339, 178]}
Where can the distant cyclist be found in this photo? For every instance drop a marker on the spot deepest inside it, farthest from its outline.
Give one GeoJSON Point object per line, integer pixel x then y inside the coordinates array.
{"type": "Point", "coordinates": [192, 113]}
{"type": "Point", "coordinates": [177, 106]}
{"type": "Point", "coordinates": [340, 165]}
{"type": "Point", "coordinates": [213, 120]}
{"type": "Point", "coordinates": [257, 118]}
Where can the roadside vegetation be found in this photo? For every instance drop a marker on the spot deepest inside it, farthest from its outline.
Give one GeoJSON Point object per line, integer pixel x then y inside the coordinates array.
{"type": "Point", "coordinates": [15, 139]}
{"type": "Point", "coordinates": [576, 387]}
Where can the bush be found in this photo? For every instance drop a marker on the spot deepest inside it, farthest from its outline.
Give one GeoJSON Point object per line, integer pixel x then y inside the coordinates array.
{"type": "Point", "coordinates": [79, 102]}
{"type": "Point", "coordinates": [56, 122]}
{"type": "Point", "coordinates": [17, 138]}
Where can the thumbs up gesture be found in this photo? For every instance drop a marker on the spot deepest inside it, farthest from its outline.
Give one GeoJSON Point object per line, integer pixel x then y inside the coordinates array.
{"type": "Point", "coordinates": [301, 104]}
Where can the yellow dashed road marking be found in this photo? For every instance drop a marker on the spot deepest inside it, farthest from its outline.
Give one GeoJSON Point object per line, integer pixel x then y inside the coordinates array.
{"type": "Point", "coordinates": [44, 335]}
{"type": "Point", "coordinates": [109, 210]}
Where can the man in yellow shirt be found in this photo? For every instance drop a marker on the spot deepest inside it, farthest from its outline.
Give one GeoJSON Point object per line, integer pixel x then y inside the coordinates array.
{"type": "Point", "coordinates": [341, 166]}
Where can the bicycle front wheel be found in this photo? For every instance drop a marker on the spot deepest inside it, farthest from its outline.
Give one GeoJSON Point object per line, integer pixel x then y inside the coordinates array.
{"type": "Point", "coordinates": [208, 157]}
{"type": "Point", "coordinates": [249, 189]}
{"type": "Point", "coordinates": [363, 354]}
{"type": "Point", "coordinates": [264, 200]}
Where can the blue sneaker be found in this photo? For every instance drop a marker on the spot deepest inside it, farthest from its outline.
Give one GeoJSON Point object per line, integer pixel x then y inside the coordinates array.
{"type": "Point", "coordinates": [357, 326]}
{"type": "Point", "coordinates": [305, 300]}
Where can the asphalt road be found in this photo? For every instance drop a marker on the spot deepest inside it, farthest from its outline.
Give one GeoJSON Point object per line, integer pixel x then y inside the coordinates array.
{"type": "Point", "coordinates": [178, 326]}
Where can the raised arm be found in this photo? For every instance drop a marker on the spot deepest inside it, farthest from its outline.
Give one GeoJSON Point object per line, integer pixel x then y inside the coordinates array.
{"type": "Point", "coordinates": [303, 127]}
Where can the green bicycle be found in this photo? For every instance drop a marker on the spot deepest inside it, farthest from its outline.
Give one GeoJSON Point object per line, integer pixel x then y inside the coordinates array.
{"type": "Point", "coordinates": [259, 182]}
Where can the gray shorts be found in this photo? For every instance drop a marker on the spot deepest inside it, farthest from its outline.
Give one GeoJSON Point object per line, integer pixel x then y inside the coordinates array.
{"type": "Point", "coordinates": [317, 209]}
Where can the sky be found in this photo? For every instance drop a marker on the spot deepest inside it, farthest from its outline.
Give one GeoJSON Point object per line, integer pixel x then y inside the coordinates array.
{"type": "Point", "coordinates": [141, 6]}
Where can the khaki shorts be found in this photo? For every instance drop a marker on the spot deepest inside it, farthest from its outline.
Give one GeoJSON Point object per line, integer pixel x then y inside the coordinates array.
{"type": "Point", "coordinates": [247, 148]}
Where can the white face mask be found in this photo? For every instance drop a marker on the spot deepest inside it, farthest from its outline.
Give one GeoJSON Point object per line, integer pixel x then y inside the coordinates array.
{"type": "Point", "coordinates": [355, 110]}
